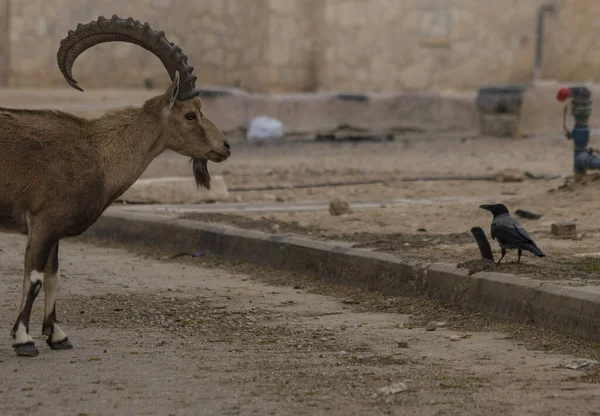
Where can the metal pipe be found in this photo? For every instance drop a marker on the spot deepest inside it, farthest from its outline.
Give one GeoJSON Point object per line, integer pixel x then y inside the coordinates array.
{"type": "Point", "coordinates": [585, 160]}
{"type": "Point", "coordinates": [539, 41]}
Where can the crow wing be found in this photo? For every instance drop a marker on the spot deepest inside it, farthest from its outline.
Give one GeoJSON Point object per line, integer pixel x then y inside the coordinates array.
{"type": "Point", "coordinates": [510, 232]}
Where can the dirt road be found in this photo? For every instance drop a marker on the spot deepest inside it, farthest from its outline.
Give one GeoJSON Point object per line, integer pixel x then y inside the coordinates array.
{"type": "Point", "coordinates": [178, 337]}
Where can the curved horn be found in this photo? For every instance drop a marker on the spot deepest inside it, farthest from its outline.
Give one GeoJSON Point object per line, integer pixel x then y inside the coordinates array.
{"type": "Point", "coordinates": [131, 31]}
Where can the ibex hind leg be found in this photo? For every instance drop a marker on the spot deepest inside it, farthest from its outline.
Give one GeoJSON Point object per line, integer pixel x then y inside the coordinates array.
{"type": "Point", "coordinates": [39, 245]}
{"type": "Point", "coordinates": [57, 339]}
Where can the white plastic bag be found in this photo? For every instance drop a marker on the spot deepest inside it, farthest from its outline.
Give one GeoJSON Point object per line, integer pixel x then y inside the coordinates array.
{"type": "Point", "coordinates": [265, 129]}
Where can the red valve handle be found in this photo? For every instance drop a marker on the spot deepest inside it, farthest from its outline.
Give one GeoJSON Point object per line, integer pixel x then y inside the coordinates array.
{"type": "Point", "coordinates": [563, 94]}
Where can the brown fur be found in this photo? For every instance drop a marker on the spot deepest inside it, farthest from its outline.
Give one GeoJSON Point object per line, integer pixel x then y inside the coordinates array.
{"type": "Point", "coordinates": [65, 171]}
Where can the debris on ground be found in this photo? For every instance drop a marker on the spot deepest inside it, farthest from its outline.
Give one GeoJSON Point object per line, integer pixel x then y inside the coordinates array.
{"type": "Point", "coordinates": [580, 363]}
{"type": "Point", "coordinates": [338, 206]}
{"type": "Point", "coordinates": [402, 344]}
{"type": "Point", "coordinates": [393, 389]}
{"type": "Point", "coordinates": [455, 338]}
{"type": "Point", "coordinates": [509, 175]}
{"type": "Point", "coordinates": [528, 214]}
{"type": "Point", "coordinates": [564, 229]}
{"type": "Point", "coordinates": [183, 254]}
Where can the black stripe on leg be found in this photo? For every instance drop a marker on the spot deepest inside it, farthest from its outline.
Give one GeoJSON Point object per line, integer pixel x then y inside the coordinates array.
{"type": "Point", "coordinates": [25, 314]}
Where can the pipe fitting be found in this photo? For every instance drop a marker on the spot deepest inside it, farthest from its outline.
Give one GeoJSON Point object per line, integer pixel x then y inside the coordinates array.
{"type": "Point", "coordinates": [584, 160]}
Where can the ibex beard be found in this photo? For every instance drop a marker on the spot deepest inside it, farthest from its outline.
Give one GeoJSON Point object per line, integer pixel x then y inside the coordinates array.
{"type": "Point", "coordinates": [59, 172]}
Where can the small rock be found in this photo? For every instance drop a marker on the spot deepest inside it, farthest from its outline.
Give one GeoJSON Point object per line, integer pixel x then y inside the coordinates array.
{"type": "Point", "coordinates": [431, 326]}
{"type": "Point", "coordinates": [351, 302]}
{"type": "Point", "coordinates": [238, 198]}
{"type": "Point", "coordinates": [393, 389]}
{"type": "Point", "coordinates": [455, 338]}
{"type": "Point", "coordinates": [338, 206]}
{"type": "Point", "coordinates": [402, 344]}
{"type": "Point", "coordinates": [268, 197]}
{"type": "Point", "coordinates": [275, 228]}
{"type": "Point", "coordinates": [280, 198]}
{"type": "Point", "coordinates": [564, 229]}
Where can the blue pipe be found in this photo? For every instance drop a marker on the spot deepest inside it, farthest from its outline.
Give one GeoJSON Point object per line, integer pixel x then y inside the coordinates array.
{"type": "Point", "coordinates": [581, 109]}
{"type": "Point", "coordinates": [583, 159]}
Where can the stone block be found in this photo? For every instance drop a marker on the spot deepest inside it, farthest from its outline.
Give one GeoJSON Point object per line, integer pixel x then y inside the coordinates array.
{"type": "Point", "coordinates": [174, 190]}
{"type": "Point", "coordinates": [564, 229]}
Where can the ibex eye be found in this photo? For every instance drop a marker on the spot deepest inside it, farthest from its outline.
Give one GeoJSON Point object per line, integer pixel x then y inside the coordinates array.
{"type": "Point", "coordinates": [190, 116]}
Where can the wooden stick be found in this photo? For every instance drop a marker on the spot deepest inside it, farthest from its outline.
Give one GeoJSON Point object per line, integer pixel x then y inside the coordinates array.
{"type": "Point", "coordinates": [483, 243]}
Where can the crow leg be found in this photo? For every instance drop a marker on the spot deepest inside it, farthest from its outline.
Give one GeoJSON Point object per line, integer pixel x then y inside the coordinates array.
{"type": "Point", "coordinates": [503, 254]}
{"type": "Point", "coordinates": [519, 259]}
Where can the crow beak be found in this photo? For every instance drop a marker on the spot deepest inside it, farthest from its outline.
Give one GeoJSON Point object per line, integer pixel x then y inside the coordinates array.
{"type": "Point", "coordinates": [486, 207]}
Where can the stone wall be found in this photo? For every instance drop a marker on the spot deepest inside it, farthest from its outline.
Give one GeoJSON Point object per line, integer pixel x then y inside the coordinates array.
{"type": "Point", "coordinates": [4, 42]}
{"type": "Point", "coordinates": [426, 44]}
{"type": "Point", "coordinates": [310, 45]}
{"type": "Point", "coordinates": [229, 42]}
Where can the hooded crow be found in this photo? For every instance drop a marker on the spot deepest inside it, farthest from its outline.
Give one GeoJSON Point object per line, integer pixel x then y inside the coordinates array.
{"type": "Point", "coordinates": [509, 233]}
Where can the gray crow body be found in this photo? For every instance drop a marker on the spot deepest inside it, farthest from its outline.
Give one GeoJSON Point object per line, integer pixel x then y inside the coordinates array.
{"type": "Point", "coordinates": [509, 233]}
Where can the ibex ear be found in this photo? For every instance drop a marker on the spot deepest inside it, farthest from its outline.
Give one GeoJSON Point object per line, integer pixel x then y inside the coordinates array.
{"type": "Point", "coordinates": [171, 94]}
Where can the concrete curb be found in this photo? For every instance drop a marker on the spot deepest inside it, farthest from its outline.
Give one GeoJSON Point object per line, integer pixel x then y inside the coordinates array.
{"type": "Point", "coordinates": [574, 311]}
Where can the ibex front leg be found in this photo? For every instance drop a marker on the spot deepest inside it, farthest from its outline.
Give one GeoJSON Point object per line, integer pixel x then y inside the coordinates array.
{"type": "Point", "coordinates": [57, 339]}
{"type": "Point", "coordinates": [39, 245]}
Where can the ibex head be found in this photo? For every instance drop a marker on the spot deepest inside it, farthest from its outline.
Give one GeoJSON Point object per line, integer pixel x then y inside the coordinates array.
{"type": "Point", "coordinates": [187, 130]}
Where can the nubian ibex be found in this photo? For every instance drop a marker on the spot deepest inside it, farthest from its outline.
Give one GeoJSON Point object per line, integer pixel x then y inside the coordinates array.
{"type": "Point", "coordinates": [59, 172]}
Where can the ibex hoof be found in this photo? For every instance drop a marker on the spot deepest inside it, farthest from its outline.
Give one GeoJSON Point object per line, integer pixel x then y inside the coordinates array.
{"type": "Point", "coordinates": [63, 344]}
{"type": "Point", "coordinates": [27, 349]}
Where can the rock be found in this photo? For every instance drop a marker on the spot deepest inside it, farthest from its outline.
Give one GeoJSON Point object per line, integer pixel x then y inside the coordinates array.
{"type": "Point", "coordinates": [265, 129]}
{"type": "Point", "coordinates": [275, 228]}
{"type": "Point", "coordinates": [174, 190]}
{"type": "Point", "coordinates": [338, 206]}
{"type": "Point", "coordinates": [564, 229]}
{"type": "Point", "coordinates": [280, 198]}
{"type": "Point", "coordinates": [238, 198]}
{"type": "Point", "coordinates": [510, 175]}
{"type": "Point", "coordinates": [455, 338]}
{"type": "Point", "coordinates": [402, 344]}
{"type": "Point", "coordinates": [393, 389]}
{"type": "Point", "coordinates": [431, 326]}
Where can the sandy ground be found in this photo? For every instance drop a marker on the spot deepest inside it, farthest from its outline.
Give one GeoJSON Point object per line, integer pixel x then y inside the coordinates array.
{"type": "Point", "coordinates": [179, 337]}
{"type": "Point", "coordinates": [423, 219]}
